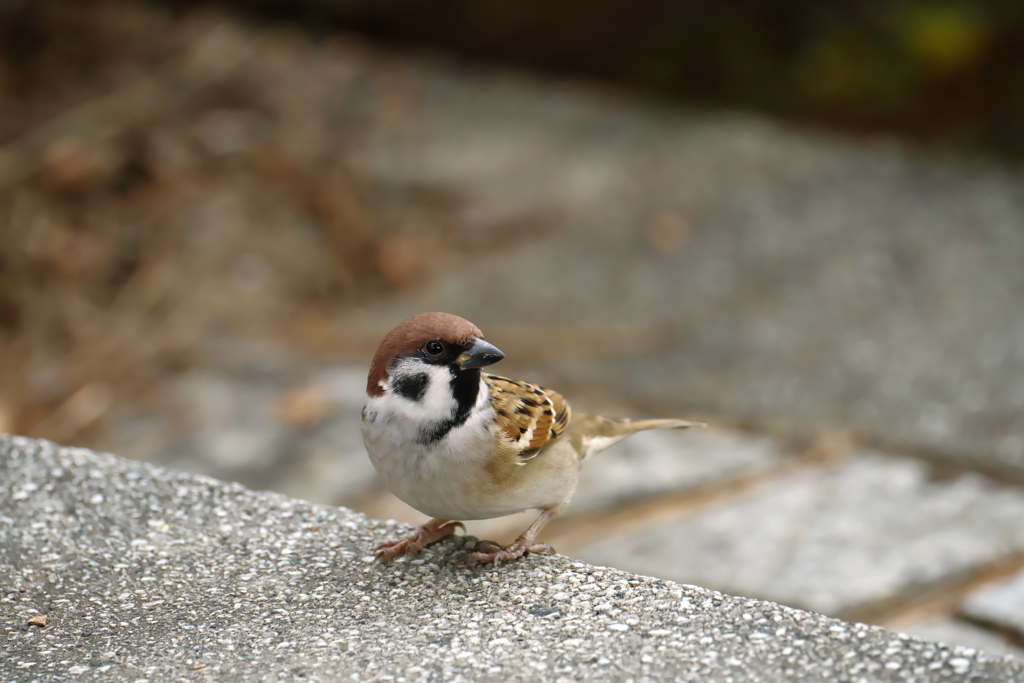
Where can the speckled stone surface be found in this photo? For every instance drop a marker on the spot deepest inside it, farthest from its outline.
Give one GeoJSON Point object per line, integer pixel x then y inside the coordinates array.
{"type": "Point", "coordinates": [948, 630]}
{"type": "Point", "coordinates": [145, 574]}
{"type": "Point", "coordinates": [833, 540]}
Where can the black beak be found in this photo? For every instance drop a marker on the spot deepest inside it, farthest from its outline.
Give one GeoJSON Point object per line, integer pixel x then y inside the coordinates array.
{"type": "Point", "coordinates": [479, 355]}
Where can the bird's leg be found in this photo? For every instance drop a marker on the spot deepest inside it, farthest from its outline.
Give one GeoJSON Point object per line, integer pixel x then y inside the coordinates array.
{"type": "Point", "coordinates": [425, 534]}
{"type": "Point", "coordinates": [489, 552]}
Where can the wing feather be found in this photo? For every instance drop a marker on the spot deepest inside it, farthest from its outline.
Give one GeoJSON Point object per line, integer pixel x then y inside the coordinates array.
{"type": "Point", "coordinates": [530, 417]}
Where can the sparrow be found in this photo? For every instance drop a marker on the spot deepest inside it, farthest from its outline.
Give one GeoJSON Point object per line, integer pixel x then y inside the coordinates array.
{"type": "Point", "coordinates": [457, 443]}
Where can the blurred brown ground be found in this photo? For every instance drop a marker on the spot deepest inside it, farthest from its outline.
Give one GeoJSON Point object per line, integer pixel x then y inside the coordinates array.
{"type": "Point", "coordinates": [186, 262]}
{"type": "Point", "coordinates": [150, 154]}
{"type": "Point", "coordinates": [148, 164]}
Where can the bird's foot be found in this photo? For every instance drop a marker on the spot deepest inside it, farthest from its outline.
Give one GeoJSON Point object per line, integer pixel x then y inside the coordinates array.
{"type": "Point", "coordinates": [425, 534]}
{"type": "Point", "coordinates": [489, 552]}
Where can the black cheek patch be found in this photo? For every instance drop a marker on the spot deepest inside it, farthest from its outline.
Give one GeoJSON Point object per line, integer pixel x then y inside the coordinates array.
{"type": "Point", "coordinates": [411, 387]}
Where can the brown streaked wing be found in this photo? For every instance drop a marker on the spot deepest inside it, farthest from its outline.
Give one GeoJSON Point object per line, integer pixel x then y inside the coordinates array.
{"type": "Point", "coordinates": [529, 416]}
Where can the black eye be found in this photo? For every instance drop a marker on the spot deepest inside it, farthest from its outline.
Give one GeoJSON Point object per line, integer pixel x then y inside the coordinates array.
{"type": "Point", "coordinates": [433, 348]}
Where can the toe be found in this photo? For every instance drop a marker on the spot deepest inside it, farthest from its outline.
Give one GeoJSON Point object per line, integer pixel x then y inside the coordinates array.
{"type": "Point", "coordinates": [404, 546]}
{"type": "Point", "coordinates": [478, 557]}
{"type": "Point", "coordinates": [451, 527]}
{"type": "Point", "coordinates": [488, 552]}
{"type": "Point", "coordinates": [541, 549]}
{"type": "Point", "coordinates": [384, 550]}
{"type": "Point", "coordinates": [384, 554]}
{"type": "Point", "coordinates": [488, 547]}
{"type": "Point", "coordinates": [471, 559]}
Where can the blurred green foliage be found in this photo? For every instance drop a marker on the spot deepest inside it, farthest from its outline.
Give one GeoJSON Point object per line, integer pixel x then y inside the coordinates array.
{"type": "Point", "coordinates": [948, 70]}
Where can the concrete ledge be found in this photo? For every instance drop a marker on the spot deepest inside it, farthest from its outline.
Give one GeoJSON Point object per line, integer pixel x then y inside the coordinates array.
{"type": "Point", "coordinates": [148, 574]}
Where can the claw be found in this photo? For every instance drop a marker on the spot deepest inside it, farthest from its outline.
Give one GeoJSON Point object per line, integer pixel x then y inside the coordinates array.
{"type": "Point", "coordinates": [425, 534]}
{"type": "Point", "coordinates": [488, 552]}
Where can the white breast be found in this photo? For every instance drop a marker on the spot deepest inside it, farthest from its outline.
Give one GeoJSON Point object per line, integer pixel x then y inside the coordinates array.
{"type": "Point", "coordinates": [446, 478]}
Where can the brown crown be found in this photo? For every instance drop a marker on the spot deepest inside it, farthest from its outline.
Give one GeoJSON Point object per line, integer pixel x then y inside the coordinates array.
{"type": "Point", "coordinates": [413, 333]}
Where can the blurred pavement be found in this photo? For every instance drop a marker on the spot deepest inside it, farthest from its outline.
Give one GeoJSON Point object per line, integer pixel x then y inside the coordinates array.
{"type": "Point", "coordinates": [847, 313]}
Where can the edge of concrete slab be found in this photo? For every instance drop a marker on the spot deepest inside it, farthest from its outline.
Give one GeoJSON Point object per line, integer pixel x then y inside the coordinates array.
{"type": "Point", "coordinates": [145, 573]}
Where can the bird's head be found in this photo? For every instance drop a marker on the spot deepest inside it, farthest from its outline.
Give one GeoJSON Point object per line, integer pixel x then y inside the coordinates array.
{"type": "Point", "coordinates": [424, 344]}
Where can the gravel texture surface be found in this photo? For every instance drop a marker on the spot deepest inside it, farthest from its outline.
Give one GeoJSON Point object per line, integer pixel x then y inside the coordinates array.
{"type": "Point", "coordinates": [144, 573]}
{"type": "Point", "coordinates": [947, 630]}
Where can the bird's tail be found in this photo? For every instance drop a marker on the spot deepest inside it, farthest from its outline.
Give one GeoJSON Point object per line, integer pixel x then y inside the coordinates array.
{"type": "Point", "coordinates": [597, 433]}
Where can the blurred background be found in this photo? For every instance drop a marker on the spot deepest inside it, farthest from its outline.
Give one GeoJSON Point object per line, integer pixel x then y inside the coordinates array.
{"type": "Point", "coordinates": [801, 222]}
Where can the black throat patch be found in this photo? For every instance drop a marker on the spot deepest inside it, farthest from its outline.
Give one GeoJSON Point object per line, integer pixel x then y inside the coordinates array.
{"type": "Point", "coordinates": [465, 386]}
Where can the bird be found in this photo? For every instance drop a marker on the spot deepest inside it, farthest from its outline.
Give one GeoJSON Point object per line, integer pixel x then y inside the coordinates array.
{"type": "Point", "coordinates": [458, 443]}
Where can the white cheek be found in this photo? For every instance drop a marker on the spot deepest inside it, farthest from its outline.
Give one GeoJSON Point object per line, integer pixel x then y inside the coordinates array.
{"type": "Point", "coordinates": [437, 402]}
